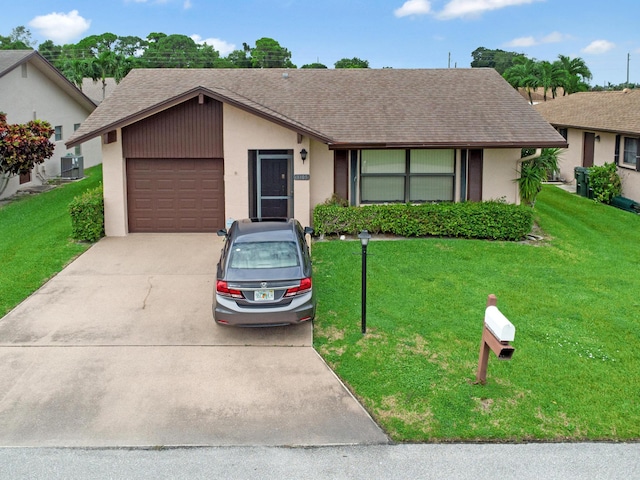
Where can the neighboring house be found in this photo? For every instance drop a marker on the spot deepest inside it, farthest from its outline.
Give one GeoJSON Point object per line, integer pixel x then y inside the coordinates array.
{"type": "Point", "coordinates": [96, 91]}
{"type": "Point", "coordinates": [190, 150]}
{"type": "Point", "coordinates": [31, 88]}
{"type": "Point", "coordinates": [600, 127]}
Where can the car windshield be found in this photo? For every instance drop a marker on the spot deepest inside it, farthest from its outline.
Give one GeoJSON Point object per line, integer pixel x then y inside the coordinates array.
{"type": "Point", "coordinates": [264, 255]}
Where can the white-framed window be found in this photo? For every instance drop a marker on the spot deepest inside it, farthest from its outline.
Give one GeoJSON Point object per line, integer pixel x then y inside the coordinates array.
{"type": "Point", "coordinates": [57, 133]}
{"type": "Point", "coordinates": [407, 175]}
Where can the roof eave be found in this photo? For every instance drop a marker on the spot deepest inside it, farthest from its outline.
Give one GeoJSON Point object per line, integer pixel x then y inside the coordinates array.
{"type": "Point", "coordinates": [596, 129]}
{"type": "Point", "coordinates": [462, 145]}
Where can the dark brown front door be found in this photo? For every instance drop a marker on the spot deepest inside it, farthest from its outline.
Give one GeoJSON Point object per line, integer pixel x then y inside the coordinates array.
{"type": "Point", "coordinates": [273, 186]}
{"type": "Point", "coordinates": [474, 176]}
{"type": "Point", "coordinates": [588, 149]}
{"type": "Point", "coordinates": [175, 195]}
{"type": "Point", "coordinates": [25, 177]}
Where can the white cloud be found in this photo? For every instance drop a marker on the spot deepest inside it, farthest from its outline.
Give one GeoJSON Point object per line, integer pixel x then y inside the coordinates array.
{"type": "Point", "coordinates": [221, 46]}
{"type": "Point", "coordinates": [187, 4]}
{"type": "Point", "coordinates": [530, 41]}
{"type": "Point", "coordinates": [413, 7]}
{"type": "Point", "coordinates": [475, 8]}
{"type": "Point", "coordinates": [522, 42]}
{"type": "Point", "coordinates": [599, 46]}
{"type": "Point", "coordinates": [60, 27]}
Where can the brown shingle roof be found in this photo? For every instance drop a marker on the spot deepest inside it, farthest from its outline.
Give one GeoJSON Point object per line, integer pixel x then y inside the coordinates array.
{"type": "Point", "coordinates": [351, 107]}
{"type": "Point", "coordinates": [617, 111]}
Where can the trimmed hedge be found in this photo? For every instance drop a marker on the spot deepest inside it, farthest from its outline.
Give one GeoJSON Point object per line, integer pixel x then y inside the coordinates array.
{"type": "Point", "coordinates": [87, 215]}
{"type": "Point", "coordinates": [483, 220]}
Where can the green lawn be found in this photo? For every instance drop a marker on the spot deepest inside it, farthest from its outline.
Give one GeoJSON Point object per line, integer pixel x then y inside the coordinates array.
{"type": "Point", "coordinates": [574, 299]}
{"type": "Point", "coordinates": [35, 239]}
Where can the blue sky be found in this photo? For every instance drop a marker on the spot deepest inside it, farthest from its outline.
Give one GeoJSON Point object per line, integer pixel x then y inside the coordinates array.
{"type": "Point", "coordinates": [389, 33]}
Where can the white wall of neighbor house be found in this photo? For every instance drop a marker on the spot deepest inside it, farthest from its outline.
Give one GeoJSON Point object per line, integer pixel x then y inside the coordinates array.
{"type": "Point", "coordinates": [37, 97]}
{"type": "Point", "coordinates": [244, 132]}
{"type": "Point", "coordinates": [114, 181]}
{"type": "Point", "coordinates": [500, 170]}
{"type": "Point", "coordinates": [603, 151]}
{"type": "Point", "coordinates": [630, 183]}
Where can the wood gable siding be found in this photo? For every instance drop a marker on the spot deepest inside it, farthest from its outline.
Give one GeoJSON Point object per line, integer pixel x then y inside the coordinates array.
{"type": "Point", "coordinates": [189, 130]}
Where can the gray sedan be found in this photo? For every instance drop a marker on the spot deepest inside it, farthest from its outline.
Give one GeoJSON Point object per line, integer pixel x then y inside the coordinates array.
{"type": "Point", "coordinates": [264, 274]}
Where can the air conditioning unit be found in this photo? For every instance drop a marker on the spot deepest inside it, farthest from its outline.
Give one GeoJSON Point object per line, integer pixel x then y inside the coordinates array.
{"type": "Point", "coordinates": [72, 167]}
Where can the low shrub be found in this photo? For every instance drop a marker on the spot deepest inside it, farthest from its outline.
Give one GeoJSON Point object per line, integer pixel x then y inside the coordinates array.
{"type": "Point", "coordinates": [605, 182]}
{"type": "Point", "coordinates": [87, 215]}
{"type": "Point", "coordinates": [483, 220]}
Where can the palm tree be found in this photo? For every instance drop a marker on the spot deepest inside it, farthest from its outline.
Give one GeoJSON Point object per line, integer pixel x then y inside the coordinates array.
{"type": "Point", "coordinates": [577, 74]}
{"type": "Point", "coordinates": [524, 74]}
{"type": "Point", "coordinates": [552, 76]}
{"type": "Point", "coordinates": [75, 69]}
{"type": "Point", "coordinates": [535, 171]}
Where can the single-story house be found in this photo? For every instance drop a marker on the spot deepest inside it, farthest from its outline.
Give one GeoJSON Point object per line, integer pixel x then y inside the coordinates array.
{"type": "Point", "coordinates": [31, 88]}
{"type": "Point", "coordinates": [191, 150]}
{"type": "Point", "coordinates": [600, 127]}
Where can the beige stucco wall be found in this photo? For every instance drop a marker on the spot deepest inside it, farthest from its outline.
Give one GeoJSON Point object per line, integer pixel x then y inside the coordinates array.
{"type": "Point", "coordinates": [243, 132]}
{"type": "Point", "coordinates": [604, 152]}
{"type": "Point", "coordinates": [36, 96]}
{"type": "Point", "coordinates": [114, 181]}
{"type": "Point", "coordinates": [500, 169]}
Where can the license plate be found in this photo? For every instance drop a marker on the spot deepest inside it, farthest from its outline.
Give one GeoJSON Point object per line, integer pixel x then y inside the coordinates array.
{"type": "Point", "coordinates": [263, 295]}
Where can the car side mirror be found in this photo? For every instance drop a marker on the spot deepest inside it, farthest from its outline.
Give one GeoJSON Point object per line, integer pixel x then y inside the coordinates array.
{"type": "Point", "coordinates": [308, 231]}
{"type": "Point", "coordinates": [222, 232]}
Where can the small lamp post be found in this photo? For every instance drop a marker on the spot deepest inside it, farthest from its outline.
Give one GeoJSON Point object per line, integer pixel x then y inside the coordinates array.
{"type": "Point", "coordinates": [364, 237]}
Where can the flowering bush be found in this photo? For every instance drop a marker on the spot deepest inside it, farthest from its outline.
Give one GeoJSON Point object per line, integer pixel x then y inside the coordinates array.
{"type": "Point", "coordinates": [24, 145]}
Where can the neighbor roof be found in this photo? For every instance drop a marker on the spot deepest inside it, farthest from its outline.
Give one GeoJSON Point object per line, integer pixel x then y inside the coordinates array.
{"type": "Point", "coordinates": [12, 59]}
{"type": "Point", "coordinates": [603, 111]}
{"type": "Point", "coordinates": [345, 108]}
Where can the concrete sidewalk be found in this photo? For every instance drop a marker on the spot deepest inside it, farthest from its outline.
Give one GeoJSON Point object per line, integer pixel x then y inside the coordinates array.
{"type": "Point", "coordinates": [120, 349]}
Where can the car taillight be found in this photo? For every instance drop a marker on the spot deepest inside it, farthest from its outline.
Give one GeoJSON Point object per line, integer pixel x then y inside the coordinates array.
{"type": "Point", "coordinates": [222, 288]}
{"type": "Point", "coordinates": [304, 287]}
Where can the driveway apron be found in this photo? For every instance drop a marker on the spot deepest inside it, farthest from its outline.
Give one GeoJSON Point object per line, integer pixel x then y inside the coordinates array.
{"type": "Point", "coordinates": [120, 349]}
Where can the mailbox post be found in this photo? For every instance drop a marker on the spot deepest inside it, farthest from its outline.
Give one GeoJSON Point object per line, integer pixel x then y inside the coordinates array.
{"type": "Point", "coordinates": [496, 335]}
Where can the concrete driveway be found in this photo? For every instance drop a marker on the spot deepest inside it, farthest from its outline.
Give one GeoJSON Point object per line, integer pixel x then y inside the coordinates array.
{"type": "Point", "coordinates": [120, 349]}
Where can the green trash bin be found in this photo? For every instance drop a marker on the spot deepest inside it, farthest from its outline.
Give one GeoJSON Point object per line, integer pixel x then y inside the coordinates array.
{"type": "Point", "coordinates": [582, 181]}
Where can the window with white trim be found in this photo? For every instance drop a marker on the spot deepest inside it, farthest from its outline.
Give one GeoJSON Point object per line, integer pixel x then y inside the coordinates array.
{"type": "Point", "coordinates": [407, 175]}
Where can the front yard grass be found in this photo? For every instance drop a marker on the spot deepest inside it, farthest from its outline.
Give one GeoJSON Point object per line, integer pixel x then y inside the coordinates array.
{"type": "Point", "coordinates": [35, 239]}
{"type": "Point", "coordinates": [574, 298]}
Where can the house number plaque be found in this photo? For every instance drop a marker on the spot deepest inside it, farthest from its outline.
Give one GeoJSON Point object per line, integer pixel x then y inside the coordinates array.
{"type": "Point", "coordinates": [302, 177]}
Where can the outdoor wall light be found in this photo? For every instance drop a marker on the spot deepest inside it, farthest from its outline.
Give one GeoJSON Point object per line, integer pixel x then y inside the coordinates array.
{"type": "Point", "coordinates": [303, 154]}
{"type": "Point", "coordinates": [597, 138]}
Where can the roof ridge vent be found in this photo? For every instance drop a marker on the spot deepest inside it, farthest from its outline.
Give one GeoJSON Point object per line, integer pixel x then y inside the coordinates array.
{"type": "Point", "coordinates": [285, 75]}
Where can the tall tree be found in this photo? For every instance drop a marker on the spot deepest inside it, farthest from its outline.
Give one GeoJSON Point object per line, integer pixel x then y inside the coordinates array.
{"type": "Point", "coordinates": [524, 74]}
{"type": "Point", "coordinates": [577, 74]}
{"type": "Point", "coordinates": [354, 62]}
{"type": "Point", "coordinates": [551, 76]}
{"type": "Point", "coordinates": [269, 54]}
{"type": "Point", "coordinates": [50, 51]}
{"type": "Point", "coordinates": [498, 59]}
{"type": "Point", "coordinates": [18, 39]}
{"type": "Point", "coordinates": [314, 65]}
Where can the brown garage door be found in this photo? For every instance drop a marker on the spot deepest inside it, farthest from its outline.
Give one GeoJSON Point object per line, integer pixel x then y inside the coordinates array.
{"type": "Point", "coordinates": [175, 195]}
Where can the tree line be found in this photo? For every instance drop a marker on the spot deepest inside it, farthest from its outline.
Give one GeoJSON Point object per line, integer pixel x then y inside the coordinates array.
{"type": "Point", "coordinates": [111, 56]}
